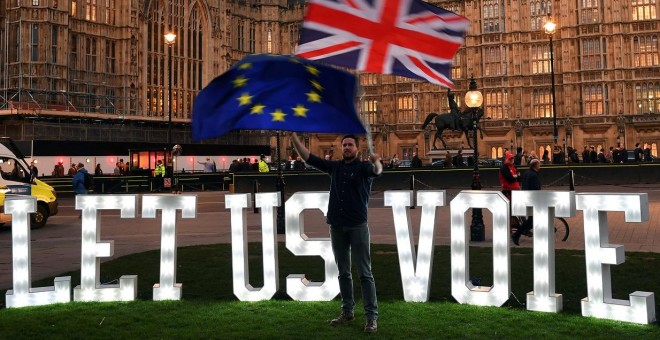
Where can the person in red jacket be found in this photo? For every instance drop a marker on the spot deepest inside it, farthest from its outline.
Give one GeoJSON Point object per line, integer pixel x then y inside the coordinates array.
{"type": "Point", "coordinates": [509, 176]}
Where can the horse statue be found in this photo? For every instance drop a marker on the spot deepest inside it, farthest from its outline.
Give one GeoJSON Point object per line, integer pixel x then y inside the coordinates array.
{"type": "Point", "coordinates": [454, 120]}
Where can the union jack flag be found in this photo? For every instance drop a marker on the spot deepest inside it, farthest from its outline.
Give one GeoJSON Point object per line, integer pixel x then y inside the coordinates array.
{"type": "Point", "coordinates": [410, 38]}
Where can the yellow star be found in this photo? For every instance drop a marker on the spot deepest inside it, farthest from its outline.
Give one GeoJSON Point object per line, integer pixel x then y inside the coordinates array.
{"type": "Point", "coordinates": [294, 60]}
{"type": "Point", "coordinates": [257, 109]}
{"type": "Point", "coordinates": [313, 97]}
{"type": "Point", "coordinates": [278, 115]}
{"type": "Point", "coordinates": [244, 99]}
{"type": "Point", "coordinates": [317, 85]}
{"type": "Point", "coordinates": [313, 70]}
{"type": "Point", "coordinates": [239, 81]}
{"type": "Point", "coordinates": [245, 66]}
{"type": "Point", "coordinates": [300, 111]}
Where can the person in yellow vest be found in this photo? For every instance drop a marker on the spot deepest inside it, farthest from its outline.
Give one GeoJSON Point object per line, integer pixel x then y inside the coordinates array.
{"type": "Point", "coordinates": [159, 176]}
{"type": "Point", "coordinates": [263, 166]}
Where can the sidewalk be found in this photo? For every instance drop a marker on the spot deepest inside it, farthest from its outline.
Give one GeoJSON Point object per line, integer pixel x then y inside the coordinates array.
{"type": "Point", "coordinates": [56, 247]}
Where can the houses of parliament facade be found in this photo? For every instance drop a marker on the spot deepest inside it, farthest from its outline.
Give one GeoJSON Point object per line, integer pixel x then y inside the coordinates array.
{"type": "Point", "coordinates": [101, 70]}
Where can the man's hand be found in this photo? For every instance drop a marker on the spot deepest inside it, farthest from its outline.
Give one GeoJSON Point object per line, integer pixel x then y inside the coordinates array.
{"type": "Point", "coordinates": [375, 160]}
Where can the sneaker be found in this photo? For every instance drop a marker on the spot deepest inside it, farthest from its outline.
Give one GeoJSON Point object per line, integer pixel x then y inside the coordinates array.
{"type": "Point", "coordinates": [342, 319]}
{"type": "Point", "coordinates": [515, 238]}
{"type": "Point", "coordinates": [371, 326]}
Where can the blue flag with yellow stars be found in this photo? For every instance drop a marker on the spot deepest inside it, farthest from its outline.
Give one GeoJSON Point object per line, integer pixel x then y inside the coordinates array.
{"type": "Point", "coordinates": [275, 92]}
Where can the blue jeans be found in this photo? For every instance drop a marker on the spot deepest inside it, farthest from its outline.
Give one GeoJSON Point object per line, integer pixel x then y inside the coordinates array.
{"type": "Point", "coordinates": [354, 239]}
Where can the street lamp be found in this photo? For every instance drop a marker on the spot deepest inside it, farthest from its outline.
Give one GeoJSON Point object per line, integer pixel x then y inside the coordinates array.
{"type": "Point", "coordinates": [170, 39]}
{"type": "Point", "coordinates": [473, 100]}
{"type": "Point", "coordinates": [550, 29]}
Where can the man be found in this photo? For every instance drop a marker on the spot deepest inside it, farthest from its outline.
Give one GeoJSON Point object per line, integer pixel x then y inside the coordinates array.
{"type": "Point", "coordinates": [78, 181]}
{"type": "Point", "coordinates": [639, 153]}
{"type": "Point", "coordinates": [601, 156]}
{"type": "Point", "coordinates": [415, 162]}
{"type": "Point", "coordinates": [530, 181]}
{"type": "Point", "coordinates": [208, 165]}
{"type": "Point", "coordinates": [34, 171]}
{"type": "Point", "coordinates": [263, 166]}
{"type": "Point", "coordinates": [623, 154]}
{"type": "Point", "coordinates": [350, 184]}
{"type": "Point", "coordinates": [458, 159]}
{"type": "Point", "coordinates": [593, 155]}
{"type": "Point", "coordinates": [586, 158]}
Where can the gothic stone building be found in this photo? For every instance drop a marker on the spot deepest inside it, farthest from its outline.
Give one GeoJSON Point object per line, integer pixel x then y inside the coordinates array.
{"type": "Point", "coordinates": [101, 70]}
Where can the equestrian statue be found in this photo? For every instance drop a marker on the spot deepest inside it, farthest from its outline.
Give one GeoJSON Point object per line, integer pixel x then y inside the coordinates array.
{"type": "Point", "coordinates": [454, 120]}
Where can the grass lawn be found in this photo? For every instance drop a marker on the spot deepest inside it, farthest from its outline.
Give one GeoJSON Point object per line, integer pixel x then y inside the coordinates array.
{"type": "Point", "coordinates": [209, 309]}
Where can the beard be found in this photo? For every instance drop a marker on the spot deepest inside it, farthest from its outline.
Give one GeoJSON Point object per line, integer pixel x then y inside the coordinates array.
{"type": "Point", "coordinates": [349, 157]}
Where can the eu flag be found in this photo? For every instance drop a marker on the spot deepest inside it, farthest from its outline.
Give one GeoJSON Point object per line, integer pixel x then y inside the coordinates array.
{"type": "Point", "coordinates": [271, 92]}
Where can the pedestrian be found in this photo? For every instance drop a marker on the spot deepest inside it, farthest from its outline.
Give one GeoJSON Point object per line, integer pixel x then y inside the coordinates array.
{"type": "Point", "coordinates": [117, 171]}
{"type": "Point", "coordinates": [263, 166]}
{"type": "Point", "coordinates": [98, 171]}
{"type": "Point", "coordinates": [509, 176]}
{"type": "Point", "coordinates": [159, 176]}
{"type": "Point", "coordinates": [72, 170]}
{"type": "Point", "coordinates": [532, 155]}
{"type": "Point", "coordinates": [623, 154]}
{"type": "Point", "coordinates": [449, 160]}
{"type": "Point", "coordinates": [350, 186]}
{"type": "Point", "coordinates": [639, 153]}
{"type": "Point", "coordinates": [208, 165]}
{"type": "Point", "coordinates": [34, 171]}
{"type": "Point", "coordinates": [593, 156]}
{"type": "Point", "coordinates": [394, 162]}
{"type": "Point", "coordinates": [415, 162]}
{"type": "Point", "coordinates": [557, 155]}
{"type": "Point", "coordinates": [517, 161]}
{"type": "Point", "coordinates": [601, 156]}
{"type": "Point", "coordinates": [78, 181]}
{"type": "Point", "coordinates": [546, 157]}
{"type": "Point", "coordinates": [458, 159]}
{"type": "Point", "coordinates": [530, 181]}
{"type": "Point", "coordinates": [60, 169]}
{"type": "Point", "coordinates": [585, 155]}
{"type": "Point", "coordinates": [647, 154]}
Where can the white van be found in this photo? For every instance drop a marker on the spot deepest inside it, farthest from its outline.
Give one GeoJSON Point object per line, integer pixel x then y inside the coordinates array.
{"type": "Point", "coordinates": [16, 179]}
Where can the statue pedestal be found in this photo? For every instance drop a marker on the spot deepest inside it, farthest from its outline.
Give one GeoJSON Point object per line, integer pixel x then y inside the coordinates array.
{"type": "Point", "coordinates": [436, 155]}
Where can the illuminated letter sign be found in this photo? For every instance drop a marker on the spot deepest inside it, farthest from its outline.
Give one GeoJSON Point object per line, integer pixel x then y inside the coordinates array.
{"type": "Point", "coordinates": [90, 288]}
{"type": "Point", "coordinates": [239, 258]}
{"type": "Point", "coordinates": [167, 288]}
{"type": "Point", "coordinates": [544, 206]}
{"type": "Point", "coordinates": [297, 286]}
{"type": "Point", "coordinates": [600, 255]}
{"type": "Point", "coordinates": [461, 287]}
{"type": "Point", "coordinates": [415, 279]}
{"type": "Point", "coordinates": [23, 294]}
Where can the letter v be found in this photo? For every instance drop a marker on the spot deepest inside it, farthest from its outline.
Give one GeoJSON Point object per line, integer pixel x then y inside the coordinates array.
{"type": "Point", "coordinates": [415, 279]}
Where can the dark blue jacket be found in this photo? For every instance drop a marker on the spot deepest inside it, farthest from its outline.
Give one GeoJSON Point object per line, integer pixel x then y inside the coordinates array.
{"type": "Point", "coordinates": [78, 181]}
{"type": "Point", "coordinates": [530, 180]}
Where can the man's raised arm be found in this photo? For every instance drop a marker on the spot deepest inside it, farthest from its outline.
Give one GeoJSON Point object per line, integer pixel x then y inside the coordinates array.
{"type": "Point", "coordinates": [300, 147]}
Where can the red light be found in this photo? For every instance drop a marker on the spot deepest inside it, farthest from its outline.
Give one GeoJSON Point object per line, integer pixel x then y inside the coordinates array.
{"type": "Point", "coordinates": [223, 159]}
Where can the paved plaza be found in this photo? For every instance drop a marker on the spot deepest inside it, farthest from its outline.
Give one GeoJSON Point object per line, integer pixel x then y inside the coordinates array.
{"type": "Point", "coordinates": [56, 247]}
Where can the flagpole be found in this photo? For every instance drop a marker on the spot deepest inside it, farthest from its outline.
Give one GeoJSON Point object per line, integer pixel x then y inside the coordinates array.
{"type": "Point", "coordinates": [365, 122]}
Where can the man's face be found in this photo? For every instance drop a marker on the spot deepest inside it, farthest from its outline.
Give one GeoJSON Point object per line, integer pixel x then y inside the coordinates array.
{"type": "Point", "coordinates": [349, 149]}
